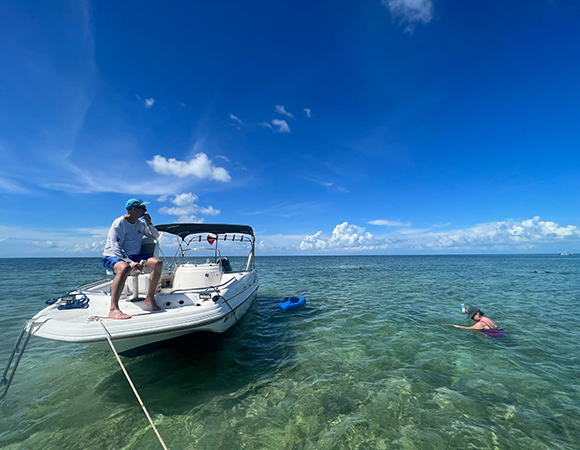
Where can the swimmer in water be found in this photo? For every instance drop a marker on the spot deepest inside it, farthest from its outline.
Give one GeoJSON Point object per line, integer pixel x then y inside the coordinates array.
{"type": "Point", "coordinates": [481, 323]}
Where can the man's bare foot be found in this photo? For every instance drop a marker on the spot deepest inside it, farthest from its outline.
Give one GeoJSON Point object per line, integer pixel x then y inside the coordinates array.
{"type": "Point", "coordinates": [153, 304]}
{"type": "Point", "coordinates": [118, 314]}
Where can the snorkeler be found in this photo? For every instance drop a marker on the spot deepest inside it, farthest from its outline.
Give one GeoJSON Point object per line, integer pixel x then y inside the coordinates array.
{"type": "Point", "coordinates": [486, 325]}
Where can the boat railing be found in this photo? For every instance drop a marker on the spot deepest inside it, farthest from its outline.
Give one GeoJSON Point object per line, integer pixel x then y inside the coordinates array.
{"type": "Point", "coordinates": [183, 248]}
{"type": "Point", "coordinates": [92, 284]}
{"type": "Point", "coordinates": [189, 249]}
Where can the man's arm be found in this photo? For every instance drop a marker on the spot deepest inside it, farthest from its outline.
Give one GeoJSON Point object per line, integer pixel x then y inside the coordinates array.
{"type": "Point", "coordinates": [150, 229]}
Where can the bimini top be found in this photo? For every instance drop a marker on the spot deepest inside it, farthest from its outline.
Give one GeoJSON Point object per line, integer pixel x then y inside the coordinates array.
{"type": "Point", "coordinates": [183, 230]}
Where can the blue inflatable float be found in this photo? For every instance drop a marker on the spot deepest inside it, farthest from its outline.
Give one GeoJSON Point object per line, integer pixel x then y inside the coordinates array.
{"type": "Point", "coordinates": [292, 303]}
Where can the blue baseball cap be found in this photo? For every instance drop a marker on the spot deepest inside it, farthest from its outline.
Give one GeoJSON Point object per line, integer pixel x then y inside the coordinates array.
{"type": "Point", "coordinates": [133, 202]}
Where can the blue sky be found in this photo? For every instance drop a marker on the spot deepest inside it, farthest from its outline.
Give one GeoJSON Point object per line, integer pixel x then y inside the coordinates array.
{"type": "Point", "coordinates": [381, 127]}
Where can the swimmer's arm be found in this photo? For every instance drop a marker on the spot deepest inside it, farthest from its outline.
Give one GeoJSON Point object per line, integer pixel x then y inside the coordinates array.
{"type": "Point", "coordinates": [477, 326]}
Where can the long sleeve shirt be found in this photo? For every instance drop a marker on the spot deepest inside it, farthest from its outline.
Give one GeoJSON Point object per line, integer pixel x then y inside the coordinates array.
{"type": "Point", "coordinates": [125, 238]}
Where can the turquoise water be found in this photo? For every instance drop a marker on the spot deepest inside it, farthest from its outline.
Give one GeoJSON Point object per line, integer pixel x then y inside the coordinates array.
{"type": "Point", "coordinates": [366, 364]}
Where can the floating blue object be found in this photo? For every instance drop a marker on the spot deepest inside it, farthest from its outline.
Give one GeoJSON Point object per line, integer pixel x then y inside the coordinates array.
{"type": "Point", "coordinates": [292, 303]}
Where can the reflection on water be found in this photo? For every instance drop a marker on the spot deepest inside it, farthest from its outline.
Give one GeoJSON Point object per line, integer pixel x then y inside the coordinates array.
{"type": "Point", "coordinates": [366, 364]}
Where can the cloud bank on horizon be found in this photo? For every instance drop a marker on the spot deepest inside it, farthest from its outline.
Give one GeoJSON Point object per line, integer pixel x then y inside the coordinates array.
{"type": "Point", "coordinates": [495, 237]}
{"type": "Point", "coordinates": [498, 236]}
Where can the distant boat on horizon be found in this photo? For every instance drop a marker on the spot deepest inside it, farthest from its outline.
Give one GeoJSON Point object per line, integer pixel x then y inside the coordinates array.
{"type": "Point", "coordinates": [566, 254]}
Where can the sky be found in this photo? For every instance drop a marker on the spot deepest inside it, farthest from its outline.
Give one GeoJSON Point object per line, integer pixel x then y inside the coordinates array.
{"type": "Point", "coordinates": [345, 127]}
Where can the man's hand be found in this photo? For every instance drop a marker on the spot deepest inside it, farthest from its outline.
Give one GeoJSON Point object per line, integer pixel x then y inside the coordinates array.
{"type": "Point", "coordinates": [147, 218]}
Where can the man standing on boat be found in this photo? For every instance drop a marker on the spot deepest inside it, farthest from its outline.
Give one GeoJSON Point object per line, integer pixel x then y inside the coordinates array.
{"type": "Point", "coordinates": [123, 254]}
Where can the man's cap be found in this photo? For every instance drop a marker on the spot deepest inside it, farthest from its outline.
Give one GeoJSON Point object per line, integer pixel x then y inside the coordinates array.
{"type": "Point", "coordinates": [133, 202]}
{"type": "Point", "coordinates": [472, 311]}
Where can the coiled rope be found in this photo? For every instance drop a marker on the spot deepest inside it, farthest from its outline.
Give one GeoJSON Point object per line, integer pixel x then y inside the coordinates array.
{"type": "Point", "coordinates": [107, 335]}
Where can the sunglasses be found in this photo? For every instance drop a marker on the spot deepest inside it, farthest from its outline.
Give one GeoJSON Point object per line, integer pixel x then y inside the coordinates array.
{"type": "Point", "coordinates": [140, 207]}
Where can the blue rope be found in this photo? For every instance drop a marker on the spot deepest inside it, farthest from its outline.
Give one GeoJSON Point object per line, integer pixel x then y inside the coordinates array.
{"type": "Point", "coordinates": [72, 302]}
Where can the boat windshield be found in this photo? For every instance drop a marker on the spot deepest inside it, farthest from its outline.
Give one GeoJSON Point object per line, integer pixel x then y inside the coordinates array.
{"type": "Point", "coordinates": [212, 238]}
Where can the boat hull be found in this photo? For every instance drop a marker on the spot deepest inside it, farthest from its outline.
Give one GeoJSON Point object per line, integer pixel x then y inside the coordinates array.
{"type": "Point", "coordinates": [220, 325]}
{"type": "Point", "coordinates": [215, 309]}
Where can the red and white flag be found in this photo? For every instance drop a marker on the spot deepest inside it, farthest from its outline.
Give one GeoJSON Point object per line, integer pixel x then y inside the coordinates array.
{"type": "Point", "coordinates": [211, 238]}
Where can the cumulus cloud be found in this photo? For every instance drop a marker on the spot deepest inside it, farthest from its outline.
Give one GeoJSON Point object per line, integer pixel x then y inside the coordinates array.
{"type": "Point", "coordinates": [282, 126]}
{"type": "Point", "coordinates": [410, 11]}
{"type": "Point", "coordinates": [281, 110]}
{"type": "Point", "coordinates": [390, 223]}
{"type": "Point", "coordinates": [526, 234]}
{"type": "Point", "coordinates": [200, 166]}
{"type": "Point", "coordinates": [187, 209]}
{"type": "Point", "coordinates": [501, 235]}
{"type": "Point", "coordinates": [307, 111]}
{"type": "Point", "coordinates": [345, 237]}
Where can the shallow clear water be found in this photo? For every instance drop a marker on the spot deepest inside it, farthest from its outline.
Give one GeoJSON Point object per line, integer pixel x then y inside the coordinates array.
{"type": "Point", "coordinates": [366, 364]}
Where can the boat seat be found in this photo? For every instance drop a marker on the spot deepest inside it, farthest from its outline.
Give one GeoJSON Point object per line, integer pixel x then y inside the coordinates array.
{"type": "Point", "coordinates": [225, 263]}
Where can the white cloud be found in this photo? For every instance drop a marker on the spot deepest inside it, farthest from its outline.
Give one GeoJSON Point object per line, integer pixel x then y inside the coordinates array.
{"type": "Point", "coordinates": [390, 223]}
{"type": "Point", "coordinates": [282, 126]}
{"type": "Point", "coordinates": [187, 209]}
{"type": "Point", "coordinates": [289, 210]}
{"type": "Point", "coordinates": [308, 112]}
{"type": "Point", "coordinates": [345, 237]}
{"type": "Point", "coordinates": [526, 233]}
{"type": "Point", "coordinates": [236, 119]}
{"type": "Point", "coordinates": [32, 242]}
{"type": "Point", "coordinates": [10, 186]}
{"type": "Point", "coordinates": [410, 11]}
{"type": "Point", "coordinates": [266, 125]}
{"type": "Point", "coordinates": [502, 235]}
{"type": "Point", "coordinates": [328, 185]}
{"type": "Point", "coordinates": [200, 166]}
{"type": "Point", "coordinates": [281, 110]}
{"type": "Point", "coordinates": [148, 102]}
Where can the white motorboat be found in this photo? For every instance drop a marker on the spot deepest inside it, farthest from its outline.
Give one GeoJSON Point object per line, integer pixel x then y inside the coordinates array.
{"type": "Point", "coordinates": [207, 295]}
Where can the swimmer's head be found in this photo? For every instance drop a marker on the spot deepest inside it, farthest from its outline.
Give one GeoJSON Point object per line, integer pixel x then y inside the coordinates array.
{"type": "Point", "coordinates": [472, 311]}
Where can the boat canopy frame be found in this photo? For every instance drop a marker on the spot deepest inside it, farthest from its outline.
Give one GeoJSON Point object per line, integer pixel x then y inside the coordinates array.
{"type": "Point", "coordinates": [223, 232]}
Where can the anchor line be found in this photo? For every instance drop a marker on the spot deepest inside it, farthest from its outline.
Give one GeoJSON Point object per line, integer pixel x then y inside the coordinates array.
{"type": "Point", "coordinates": [232, 309]}
{"type": "Point", "coordinates": [107, 335]}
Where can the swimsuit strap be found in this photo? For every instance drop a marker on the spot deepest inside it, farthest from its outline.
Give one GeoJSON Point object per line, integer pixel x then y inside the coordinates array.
{"type": "Point", "coordinates": [485, 323]}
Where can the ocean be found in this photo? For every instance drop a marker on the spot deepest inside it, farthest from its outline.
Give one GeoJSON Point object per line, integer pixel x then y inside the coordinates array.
{"type": "Point", "coordinates": [365, 364]}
